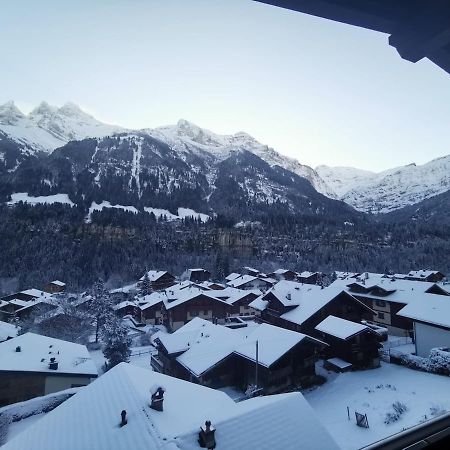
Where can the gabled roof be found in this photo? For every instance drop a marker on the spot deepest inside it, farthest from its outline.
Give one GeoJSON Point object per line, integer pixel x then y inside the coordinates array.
{"type": "Point", "coordinates": [434, 309]}
{"type": "Point", "coordinates": [154, 275]}
{"type": "Point", "coordinates": [290, 293]}
{"type": "Point", "coordinates": [36, 351]}
{"type": "Point", "coordinates": [232, 295]}
{"type": "Point", "coordinates": [124, 304]}
{"type": "Point", "coordinates": [423, 273]}
{"type": "Point", "coordinates": [232, 276]}
{"type": "Point", "coordinates": [273, 343]}
{"type": "Point", "coordinates": [244, 279]}
{"type": "Point", "coordinates": [205, 344]}
{"type": "Point", "coordinates": [389, 289]}
{"type": "Point", "coordinates": [312, 302]}
{"type": "Point", "coordinates": [306, 274]}
{"type": "Point", "coordinates": [340, 328]}
{"type": "Point", "coordinates": [90, 419]}
{"type": "Point", "coordinates": [7, 330]}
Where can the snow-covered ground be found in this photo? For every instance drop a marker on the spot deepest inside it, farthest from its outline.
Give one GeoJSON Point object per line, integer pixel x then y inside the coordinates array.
{"type": "Point", "coordinates": [373, 392]}
{"type": "Point", "coordinates": [105, 204]}
{"type": "Point", "coordinates": [183, 213]}
{"type": "Point", "coordinates": [46, 199]}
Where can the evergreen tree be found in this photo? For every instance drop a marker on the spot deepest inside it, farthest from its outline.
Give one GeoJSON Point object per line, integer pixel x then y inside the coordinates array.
{"type": "Point", "coordinates": [100, 306]}
{"type": "Point", "coordinates": [146, 286]}
{"type": "Point", "coordinates": [116, 342]}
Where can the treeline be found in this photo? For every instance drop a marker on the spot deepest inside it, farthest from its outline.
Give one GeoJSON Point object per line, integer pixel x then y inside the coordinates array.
{"type": "Point", "coordinates": [46, 242]}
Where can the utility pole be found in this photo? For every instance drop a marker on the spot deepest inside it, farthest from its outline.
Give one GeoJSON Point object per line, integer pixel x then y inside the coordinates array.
{"type": "Point", "coordinates": [256, 369]}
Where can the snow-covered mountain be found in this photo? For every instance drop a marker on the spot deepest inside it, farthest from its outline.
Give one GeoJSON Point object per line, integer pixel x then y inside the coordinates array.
{"type": "Point", "coordinates": [188, 137]}
{"type": "Point", "coordinates": [142, 172]}
{"type": "Point", "coordinates": [391, 189]}
{"type": "Point", "coordinates": [48, 127]}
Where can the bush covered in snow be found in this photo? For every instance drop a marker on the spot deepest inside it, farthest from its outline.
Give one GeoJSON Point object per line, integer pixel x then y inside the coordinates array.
{"type": "Point", "coordinates": [399, 408]}
{"type": "Point", "coordinates": [5, 420]}
{"type": "Point", "coordinates": [438, 361]}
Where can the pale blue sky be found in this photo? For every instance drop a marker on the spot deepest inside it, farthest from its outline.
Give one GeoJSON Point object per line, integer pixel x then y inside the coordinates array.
{"type": "Point", "coordinates": [319, 91]}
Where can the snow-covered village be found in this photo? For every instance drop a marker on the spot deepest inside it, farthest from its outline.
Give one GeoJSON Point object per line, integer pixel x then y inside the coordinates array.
{"type": "Point", "coordinates": [225, 225]}
{"type": "Point", "coordinates": [187, 361]}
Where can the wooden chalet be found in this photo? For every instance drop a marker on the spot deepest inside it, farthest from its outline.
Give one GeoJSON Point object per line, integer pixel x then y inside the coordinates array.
{"type": "Point", "coordinates": [32, 365]}
{"type": "Point", "coordinates": [301, 307]}
{"type": "Point", "coordinates": [387, 296]}
{"type": "Point", "coordinates": [127, 308]}
{"type": "Point", "coordinates": [54, 287]}
{"type": "Point", "coordinates": [283, 274]}
{"type": "Point", "coordinates": [310, 277]}
{"type": "Point", "coordinates": [351, 342]}
{"type": "Point", "coordinates": [250, 282]}
{"type": "Point", "coordinates": [433, 276]}
{"type": "Point", "coordinates": [159, 280]}
{"type": "Point", "coordinates": [199, 275]}
{"type": "Point", "coordinates": [265, 357]}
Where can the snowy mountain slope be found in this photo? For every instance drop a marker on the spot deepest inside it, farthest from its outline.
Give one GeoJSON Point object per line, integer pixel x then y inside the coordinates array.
{"type": "Point", "coordinates": [188, 137]}
{"type": "Point", "coordinates": [48, 127]}
{"type": "Point", "coordinates": [343, 179]}
{"type": "Point", "coordinates": [141, 171]}
{"type": "Point", "coordinates": [389, 190]}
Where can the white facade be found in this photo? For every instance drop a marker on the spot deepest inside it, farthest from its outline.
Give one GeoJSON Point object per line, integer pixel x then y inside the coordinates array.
{"type": "Point", "coordinates": [428, 337]}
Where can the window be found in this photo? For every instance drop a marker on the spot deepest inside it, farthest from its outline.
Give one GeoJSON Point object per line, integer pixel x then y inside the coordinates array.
{"type": "Point", "coordinates": [380, 303]}
{"type": "Point", "coordinates": [380, 315]}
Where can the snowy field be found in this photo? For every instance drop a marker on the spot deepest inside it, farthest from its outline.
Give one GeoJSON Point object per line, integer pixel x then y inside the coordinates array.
{"type": "Point", "coordinates": [44, 199]}
{"type": "Point", "coordinates": [373, 392]}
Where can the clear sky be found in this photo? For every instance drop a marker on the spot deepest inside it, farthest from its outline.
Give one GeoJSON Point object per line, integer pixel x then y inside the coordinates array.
{"type": "Point", "coordinates": [319, 91]}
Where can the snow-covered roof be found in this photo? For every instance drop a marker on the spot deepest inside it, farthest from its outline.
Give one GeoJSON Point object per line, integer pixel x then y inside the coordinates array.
{"type": "Point", "coordinates": [205, 344]}
{"type": "Point", "coordinates": [154, 275]}
{"type": "Point", "coordinates": [290, 293]}
{"type": "Point", "coordinates": [18, 302]}
{"type": "Point", "coordinates": [306, 274]}
{"type": "Point", "coordinates": [90, 419]}
{"type": "Point", "coordinates": [125, 289]}
{"type": "Point", "coordinates": [422, 273]}
{"type": "Point", "coordinates": [232, 295]}
{"type": "Point", "coordinates": [37, 301]}
{"type": "Point", "coordinates": [396, 290]}
{"type": "Point", "coordinates": [273, 343]}
{"type": "Point", "coordinates": [35, 293]}
{"type": "Point", "coordinates": [36, 351]}
{"type": "Point", "coordinates": [338, 362]}
{"type": "Point", "coordinates": [232, 276]}
{"type": "Point", "coordinates": [58, 283]}
{"type": "Point", "coordinates": [124, 304]}
{"type": "Point", "coordinates": [7, 330]}
{"type": "Point", "coordinates": [340, 328]}
{"type": "Point", "coordinates": [281, 271]}
{"type": "Point", "coordinates": [434, 309]}
{"type": "Point", "coordinates": [310, 303]}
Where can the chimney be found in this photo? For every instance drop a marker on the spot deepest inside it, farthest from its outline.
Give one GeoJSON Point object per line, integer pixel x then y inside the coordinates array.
{"type": "Point", "coordinates": [158, 399]}
{"type": "Point", "coordinates": [53, 364]}
{"type": "Point", "coordinates": [288, 296]}
{"type": "Point", "coordinates": [206, 437]}
{"type": "Point", "coordinates": [123, 416]}
{"type": "Point", "coordinates": [18, 349]}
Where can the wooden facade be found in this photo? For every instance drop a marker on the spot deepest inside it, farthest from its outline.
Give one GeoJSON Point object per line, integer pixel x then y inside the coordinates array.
{"type": "Point", "coordinates": [20, 386]}
{"type": "Point", "coordinates": [199, 275]}
{"type": "Point", "coordinates": [343, 306]}
{"type": "Point", "coordinates": [361, 350]}
{"type": "Point", "coordinates": [201, 306]}
{"type": "Point", "coordinates": [295, 368]}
